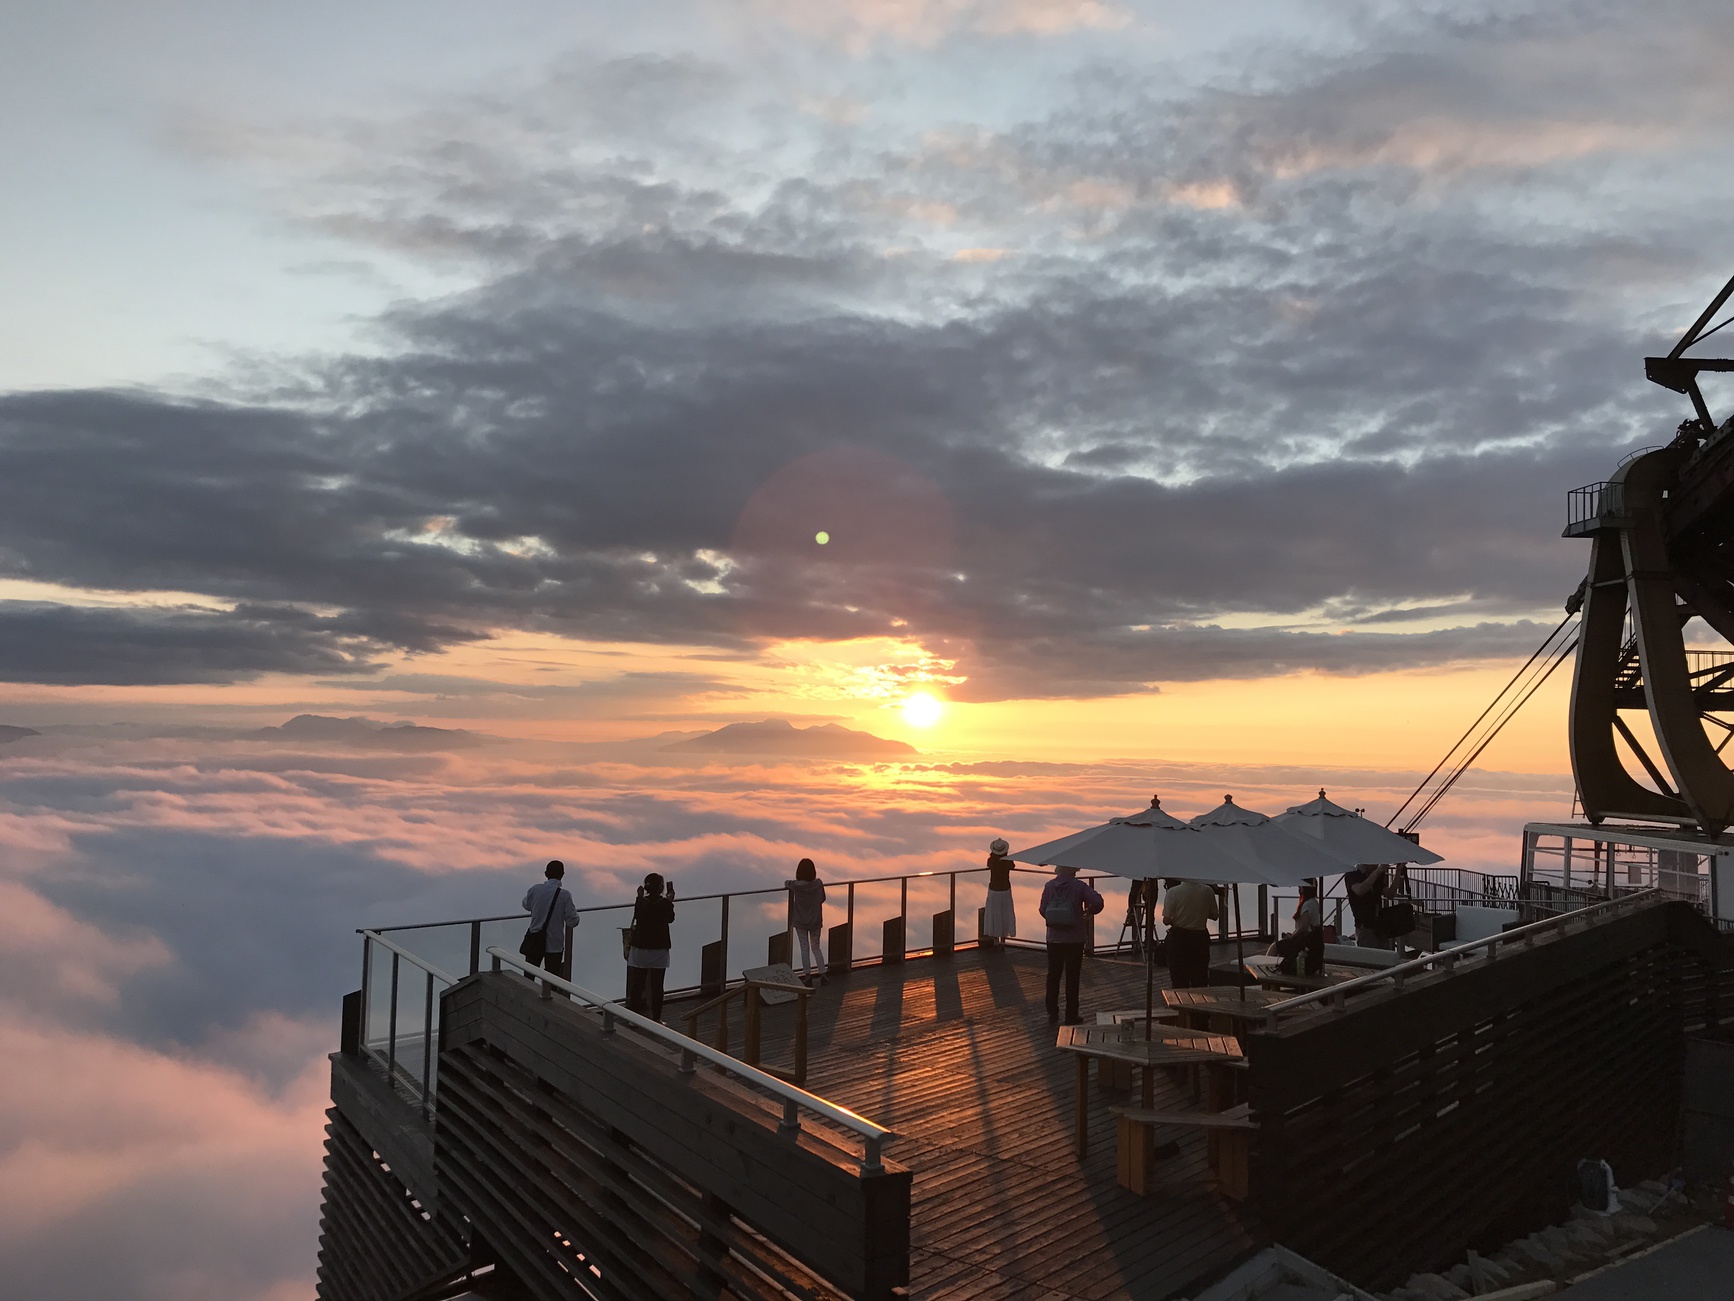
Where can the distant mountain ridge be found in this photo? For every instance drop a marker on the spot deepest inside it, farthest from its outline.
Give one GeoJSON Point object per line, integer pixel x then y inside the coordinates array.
{"type": "Point", "coordinates": [369, 734]}
{"type": "Point", "coordinates": [779, 736]}
{"type": "Point", "coordinates": [10, 733]}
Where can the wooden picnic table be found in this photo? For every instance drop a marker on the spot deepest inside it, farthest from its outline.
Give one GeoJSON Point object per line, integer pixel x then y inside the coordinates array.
{"type": "Point", "coordinates": [1218, 1009]}
{"type": "Point", "coordinates": [1167, 1046]}
{"type": "Point", "coordinates": [1264, 969]}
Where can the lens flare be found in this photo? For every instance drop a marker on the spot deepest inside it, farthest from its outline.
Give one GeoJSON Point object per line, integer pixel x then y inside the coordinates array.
{"type": "Point", "coordinates": [922, 710]}
{"type": "Point", "coordinates": [821, 537]}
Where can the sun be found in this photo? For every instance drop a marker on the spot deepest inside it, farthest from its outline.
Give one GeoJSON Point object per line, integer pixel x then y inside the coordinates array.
{"type": "Point", "coordinates": [922, 710]}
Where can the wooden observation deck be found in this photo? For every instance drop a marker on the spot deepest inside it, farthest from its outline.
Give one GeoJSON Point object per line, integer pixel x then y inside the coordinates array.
{"type": "Point", "coordinates": [958, 1057]}
{"type": "Point", "coordinates": [549, 1148]}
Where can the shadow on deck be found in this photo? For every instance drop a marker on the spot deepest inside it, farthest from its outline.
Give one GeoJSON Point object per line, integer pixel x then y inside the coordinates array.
{"type": "Point", "coordinates": [957, 1055]}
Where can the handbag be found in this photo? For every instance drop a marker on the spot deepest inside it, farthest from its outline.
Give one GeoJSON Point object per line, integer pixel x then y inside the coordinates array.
{"type": "Point", "coordinates": [1396, 917]}
{"type": "Point", "coordinates": [534, 946]}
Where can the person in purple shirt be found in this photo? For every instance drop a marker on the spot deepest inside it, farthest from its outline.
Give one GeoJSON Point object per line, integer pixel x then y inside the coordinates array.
{"type": "Point", "coordinates": [1067, 906]}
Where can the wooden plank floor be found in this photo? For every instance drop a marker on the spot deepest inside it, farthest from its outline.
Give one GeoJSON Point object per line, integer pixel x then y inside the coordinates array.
{"type": "Point", "coordinates": [957, 1055]}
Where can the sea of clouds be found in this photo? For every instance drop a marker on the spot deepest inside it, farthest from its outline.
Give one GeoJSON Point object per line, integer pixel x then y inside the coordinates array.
{"type": "Point", "coordinates": [181, 917]}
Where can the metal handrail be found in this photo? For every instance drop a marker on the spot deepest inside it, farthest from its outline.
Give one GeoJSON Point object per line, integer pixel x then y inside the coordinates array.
{"type": "Point", "coordinates": [1335, 994]}
{"type": "Point", "coordinates": [873, 1135]}
{"type": "Point", "coordinates": [732, 894]}
{"type": "Point", "coordinates": [400, 955]}
{"type": "Point", "coordinates": [423, 963]}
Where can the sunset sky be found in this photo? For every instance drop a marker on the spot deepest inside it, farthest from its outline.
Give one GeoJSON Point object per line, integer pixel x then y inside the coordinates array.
{"type": "Point", "coordinates": [1185, 397]}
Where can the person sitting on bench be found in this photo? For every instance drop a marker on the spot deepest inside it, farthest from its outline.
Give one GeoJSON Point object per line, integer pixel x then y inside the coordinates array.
{"type": "Point", "coordinates": [1303, 951]}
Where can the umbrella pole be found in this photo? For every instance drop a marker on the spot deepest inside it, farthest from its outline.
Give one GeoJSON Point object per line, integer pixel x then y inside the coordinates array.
{"type": "Point", "coordinates": [1239, 946]}
{"type": "Point", "coordinates": [1148, 901]}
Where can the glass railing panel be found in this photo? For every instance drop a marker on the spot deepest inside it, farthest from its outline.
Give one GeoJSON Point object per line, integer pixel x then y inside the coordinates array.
{"type": "Point", "coordinates": [446, 947]}
{"type": "Point", "coordinates": [876, 902]}
{"type": "Point", "coordinates": [376, 997]}
{"type": "Point", "coordinates": [1112, 924]}
{"type": "Point", "coordinates": [413, 1039]}
{"type": "Point", "coordinates": [927, 895]}
{"type": "Point", "coordinates": [598, 957]}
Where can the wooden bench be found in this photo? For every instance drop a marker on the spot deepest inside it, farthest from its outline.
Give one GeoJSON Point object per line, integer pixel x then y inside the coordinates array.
{"type": "Point", "coordinates": [1229, 1135]}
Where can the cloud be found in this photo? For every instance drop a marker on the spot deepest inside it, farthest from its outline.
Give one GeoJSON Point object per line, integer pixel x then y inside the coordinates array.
{"type": "Point", "coordinates": [167, 1155]}
{"type": "Point", "coordinates": [181, 930]}
{"type": "Point", "coordinates": [861, 24]}
{"type": "Point", "coordinates": [1298, 348]}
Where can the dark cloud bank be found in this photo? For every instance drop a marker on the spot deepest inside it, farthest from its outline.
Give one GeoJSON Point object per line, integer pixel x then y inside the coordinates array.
{"type": "Point", "coordinates": [1310, 353]}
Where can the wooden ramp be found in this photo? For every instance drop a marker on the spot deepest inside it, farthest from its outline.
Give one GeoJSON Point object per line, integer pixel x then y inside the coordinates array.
{"type": "Point", "coordinates": [957, 1055]}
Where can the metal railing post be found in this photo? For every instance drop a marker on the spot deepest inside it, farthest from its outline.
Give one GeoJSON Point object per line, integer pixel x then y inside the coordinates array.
{"type": "Point", "coordinates": [366, 985]}
{"type": "Point", "coordinates": [427, 1052]}
{"type": "Point", "coordinates": [724, 937]}
{"type": "Point", "coordinates": [903, 910]}
{"type": "Point", "coordinates": [475, 947]}
{"type": "Point", "coordinates": [391, 1040]}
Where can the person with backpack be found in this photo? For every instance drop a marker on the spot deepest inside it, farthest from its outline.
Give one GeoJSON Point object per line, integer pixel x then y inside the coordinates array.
{"type": "Point", "coordinates": [552, 913]}
{"type": "Point", "coordinates": [807, 916]}
{"type": "Point", "coordinates": [647, 958]}
{"type": "Point", "coordinates": [1067, 906]}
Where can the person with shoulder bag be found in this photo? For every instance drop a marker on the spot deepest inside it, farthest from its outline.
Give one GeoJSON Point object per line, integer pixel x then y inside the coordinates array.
{"type": "Point", "coordinates": [551, 912]}
{"type": "Point", "coordinates": [1397, 915]}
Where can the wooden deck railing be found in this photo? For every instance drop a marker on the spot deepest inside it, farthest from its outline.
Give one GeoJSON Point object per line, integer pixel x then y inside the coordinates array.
{"type": "Point", "coordinates": [751, 995]}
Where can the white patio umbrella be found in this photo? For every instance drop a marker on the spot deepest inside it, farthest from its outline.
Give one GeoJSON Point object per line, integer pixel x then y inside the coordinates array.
{"type": "Point", "coordinates": [1349, 836]}
{"type": "Point", "coordinates": [1280, 855]}
{"type": "Point", "coordinates": [1148, 844]}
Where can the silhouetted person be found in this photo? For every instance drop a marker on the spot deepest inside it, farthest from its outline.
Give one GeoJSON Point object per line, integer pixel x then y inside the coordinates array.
{"type": "Point", "coordinates": [1365, 885]}
{"type": "Point", "coordinates": [551, 912]}
{"type": "Point", "coordinates": [647, 959]}
{"type": "Point", "coordinates": [807, 916]}
{"type": "Point", "coordinates": [1001, 919]}
{"type": "Point", "coordinates": [1067, 906]}
{"type": "Point", "coordinates": [1187, 911]}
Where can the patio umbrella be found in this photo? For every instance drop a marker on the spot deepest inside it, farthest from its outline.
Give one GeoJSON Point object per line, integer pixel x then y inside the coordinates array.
{"type": "Point", "coordinates": [1349, 836]}
{"type": "Point", "coordinates": [1148, 844]}
{"type": "Point", "coordinates": [1279, 854]}
{"type": "Point", "coordinates": [1282, 855]}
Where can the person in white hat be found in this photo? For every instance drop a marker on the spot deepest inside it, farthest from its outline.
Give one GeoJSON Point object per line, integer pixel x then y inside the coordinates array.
{"type": "Point", "coordinates": [1001, 920]}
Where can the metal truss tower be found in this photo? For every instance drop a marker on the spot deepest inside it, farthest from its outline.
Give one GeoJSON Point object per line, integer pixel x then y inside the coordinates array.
{"type": "Point", "coordinates": [1662, 531]}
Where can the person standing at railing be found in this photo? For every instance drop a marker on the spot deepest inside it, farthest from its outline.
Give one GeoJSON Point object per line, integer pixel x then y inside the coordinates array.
{"type": "Point", "coordinates": [552, 913]}
{"type": "Point", "coordinates": [1187, 911]}
{"type": "Point", "coordinates": [1000, 922]}
{"type": "Point", "coordinates": [1067, 906]}
{"type": "Point", "coordinates": [1365, 885]}
{"type": "Point", "coordinates": [647, 958]}
{"type": "Point", "coordinates": [807, 916]}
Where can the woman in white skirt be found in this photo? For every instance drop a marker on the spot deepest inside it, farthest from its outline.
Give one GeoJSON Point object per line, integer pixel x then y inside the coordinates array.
{"type": "Point", "coordinates": [1001, 920]}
